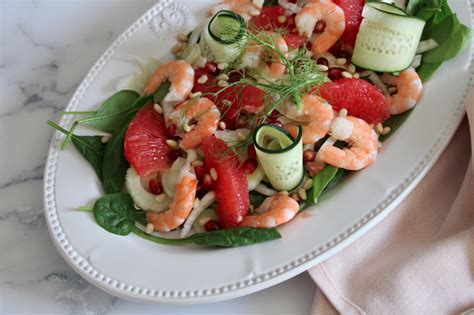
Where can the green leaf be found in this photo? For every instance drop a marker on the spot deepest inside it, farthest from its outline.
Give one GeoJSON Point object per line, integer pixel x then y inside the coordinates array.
{"type": "Point", "coordinates": [452, 36]}
{"type": "Point", "coordinates": [394, 122]}
{"type": "Point", "coordinates": [108, 117]}
{"type": "Point", "coordinates": [221, 238]}
{"type": "Point", "coordinates": [115, 213]}
{"type": "Point", "coordinates": [426, 70]}
{"type": "Point", "coordinates": [270, 3]}
{"type": "Point", "coordinates": [321, 181]}
{"type": "Point", "coordinates": [91, 148]}
{"type": "Point", "coordinates": [256, 199]}
{"type": "Point", "coordinates": [140, 217]}
{"type": "Point", "coordinates": [161, 92]}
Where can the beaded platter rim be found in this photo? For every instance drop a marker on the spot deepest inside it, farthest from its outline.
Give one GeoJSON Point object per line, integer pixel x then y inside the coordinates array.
{"type": "Point", "coordinates": [259, 281]}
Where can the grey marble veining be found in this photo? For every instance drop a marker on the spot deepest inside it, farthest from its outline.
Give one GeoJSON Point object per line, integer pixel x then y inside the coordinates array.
{"type": "Point", "coordinates": [46, 48]}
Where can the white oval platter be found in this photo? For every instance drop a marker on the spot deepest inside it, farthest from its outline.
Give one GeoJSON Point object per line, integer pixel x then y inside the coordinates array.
{"type": "Point", "coordinates": [132, 268]}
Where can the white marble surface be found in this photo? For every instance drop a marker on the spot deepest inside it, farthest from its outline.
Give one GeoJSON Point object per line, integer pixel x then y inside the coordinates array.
{"type": "Point", "coordinates": [46, 47]}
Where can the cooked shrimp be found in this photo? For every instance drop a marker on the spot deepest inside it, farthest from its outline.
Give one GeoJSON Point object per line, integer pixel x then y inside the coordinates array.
{"type": "Point", "coordinates": [361, 138]}
{"type": "Point", "coordinates": [318, 10]}
{"type": "Point", "coordinates": [255, 53]}
{"type": "Point", "coordinates": [275, 210]}
{"type": "Point", "coordinates": [182, 203]}
{"type": "Point", "coordinates": [181, 76]}
{"type": "Point", "coordinates": [409, 90]}
{"type": "Point", "coordinates": [316, 117]}
{"type": "Point", "coordinates": [245, 8]}
{"type": "Point", "coordinates": [201, 110]}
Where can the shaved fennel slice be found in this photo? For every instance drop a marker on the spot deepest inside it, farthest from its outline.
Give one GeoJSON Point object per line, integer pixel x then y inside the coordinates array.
{"type": "Point", "coordinates": [171, 176]}
{"type": "Point", "coordinates": [205, 202]}
{"type": "Point", "coordinates": [232, 137]}
{"type": "Point", "coordinates": [136, 82]}
{"type": "Point", "coordinates": [142, 198]}
{"type": "Point", "coordinates": [255, 178]}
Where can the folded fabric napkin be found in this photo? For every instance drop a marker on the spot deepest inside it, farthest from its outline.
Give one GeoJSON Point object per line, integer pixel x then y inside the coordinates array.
{"type": "Point", "coordinates": [420, 258]}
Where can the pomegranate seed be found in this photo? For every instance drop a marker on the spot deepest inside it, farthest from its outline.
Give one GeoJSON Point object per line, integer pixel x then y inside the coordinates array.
{"type": "Point", "coordinates": [322, 61]}
{"type": "Point", "coordinates": [274, 115]}
{"type": "Point", "coordinates": [277, 123]}
{"type": "Point", "coordinates": [154, 186]}
{"type": "Point", "coordinates": [200, 172]}
{"type": "Point", "coordinates": [211, 225]}
{"type": "Point", "coordinates": [335, 49]}
{"type": "Point", "coordinates": [309, 156]}
{"type": "Point", "coordinates": [343, 54]}
{"type": "Point", "coordinates": [320, 26]}
{"type": "Point", "coordinates": [171, 132]}
{"type": "Point", "coordinates": [335, 74]}
{"type": "Point", "coordinates": [250, 165]}
{"type": "Point", "coordinates": [207, 182]}
{"type": "Point", "coordinates": [251, 151]}
{"type": "Point", "coordinates": [211, 68]}
{"type": "Point", "coordinates": [174, 154]}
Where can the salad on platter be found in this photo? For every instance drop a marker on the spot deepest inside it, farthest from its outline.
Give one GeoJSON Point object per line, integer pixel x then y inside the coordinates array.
{"type": "Point", "coordinates": [267, 105]}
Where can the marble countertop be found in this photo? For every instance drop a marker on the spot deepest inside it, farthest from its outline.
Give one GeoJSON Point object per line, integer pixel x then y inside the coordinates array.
{"type": "Point", "coordinates": [46, 47]}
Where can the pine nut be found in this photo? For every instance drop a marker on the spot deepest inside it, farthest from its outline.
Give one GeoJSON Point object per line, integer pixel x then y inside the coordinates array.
{"type": "Point", "coordinates": [379, 128]}
{"type": "Point", "coordinates": [150, 227]}
{"type": "Point", "coordinates": [341, 61]}
{"type": "Point", "coordinates": [196, 203]}
{"type": "Point", "coordinates": [183, 46]}
{"type": "Point", "coordinates": [308, 184]}
{"type": "Point", "coordinates": [197, 163]}
{"type": "Point", "coordinates": [222, 83]}
{"type": "Point", "coordinates": [356, 75]}
{"type": "Point", "coordinates": [343, 112]}
{"type": "Point", "coordinates": [204, 220]}
{"type": "Point", "coordinates": [191, 127]}
{"type": "Point", "coordinates": [241, 136]}
{"type": "Point", "coordinates": [351, 68]}
{"type": "Point", "coordinates": [385, 131]}
{"type": "Point", "coordinates": [302, 194]}
{"type": "Point", "coordinates": [254, 12]}
{"type": "Point", "coordinates": [222, 125]}
{"type": "Point", "coordinates": [176, 49]}
{"type": "Point", "coordinates": [160, 198]}
{"type": "Point", "coordinates": [158, 108]}
{"type": "Point", "coordinates": [226, 102]}
{"type": "Point", "coordinates": [281, 19]}
{"type": "Point", "coordinates": [182, 37]}
{"type": "Point", "coordinates": [194, 95]}
{"type": "Point", "coordinates": [186, 128]}
{"type": "Point", "coordinates": [222, 65]}
{"type": "Point", "coordinates": [283, 193]}
{"type": "Point", "coordinates": [202, 79]}
{"type": "Point", "coordinates": [213, 174]}
{"type": "Point", "coordinates": [392, 89]}
{"type": "Point", "coordinates": [258, 3]}
{"type": "Point", "coordinates": [171, 143]}
{"type": "Point", "coordinates": [322, 68]}
{"type": "Point", "coordinates": [201, 62]}
{"type": "Point", "coordinates": [105, 138]}
{"type": "Point", "coordinates": [223, 76]}
{"type": "Point", "coordinates": [346, 74]}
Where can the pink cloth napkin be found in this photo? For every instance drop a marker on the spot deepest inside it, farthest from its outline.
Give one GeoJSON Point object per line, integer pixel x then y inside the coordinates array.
{"type": "Point", "coordinates": [418, 260]}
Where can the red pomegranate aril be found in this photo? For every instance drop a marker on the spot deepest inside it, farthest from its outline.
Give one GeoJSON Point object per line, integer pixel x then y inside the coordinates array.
{"type": "Point", "coordinates": [274, 115]}
{"type": "Point", "coordinates": [335, 74]}
{"type": "Point", "coordinates": [251, 151]}
{"type": "Point", "coordinates": [211, 68]}
{"type": "Point", "coordinates": [207, 182]}
{"type": "Point", "coordinates": [250, 165]}
{"type": "Point", "coordinates": [211, 225]}
{"type": "Point", "coordinates": [171, 132]}
{"type": "Point", "coordinates": [174, 154]}
{"type": "Point", "coordinates": [309, 156]}
{"type": "Point", "coordinates": [322, 61]}
{"type": "Point", "coordinates": [343, 54]}
{"type": "Point", "coordinates": [277, 123]}
{"type": "Point", "coordinates": [154, 186]}
{"type": "Point", "coordinates": [200, 172]}
{"type": "Point", "coordinates": [320, 26]}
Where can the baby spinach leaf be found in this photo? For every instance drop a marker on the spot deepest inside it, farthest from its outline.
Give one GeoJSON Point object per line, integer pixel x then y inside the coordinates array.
{"type": "Point", "coordinates": [108, 117]}
{"type": "Point", "coordinates": [161, 92]}
{"type": "Point", "coordinates": [270, 3]}
{"type": "Point", "coordinates": [426, 70]}
{"type": "Point", "coordinates": [91, 148]}
{"type": "Point", "coordinates": [320, 182]}
{"type": "Point", "coordinates": [115, 213]}
{"type": "Point", "coordinates": [394, 122]}
{"type": "Point", "coordinates": [221, 238]}
{"type": "Point", "coordinates": [256, 199]}
{"type": "Point", "coordinates": [140, 217]}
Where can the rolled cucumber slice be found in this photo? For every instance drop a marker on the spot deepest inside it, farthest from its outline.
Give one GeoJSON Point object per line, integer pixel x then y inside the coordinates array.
{"type": "Point", "coordinates": [386, 41]}
{"type": "Point", "coordinates": [280, 156]}
{"type": "Point", "coordinates": [223, 38]}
